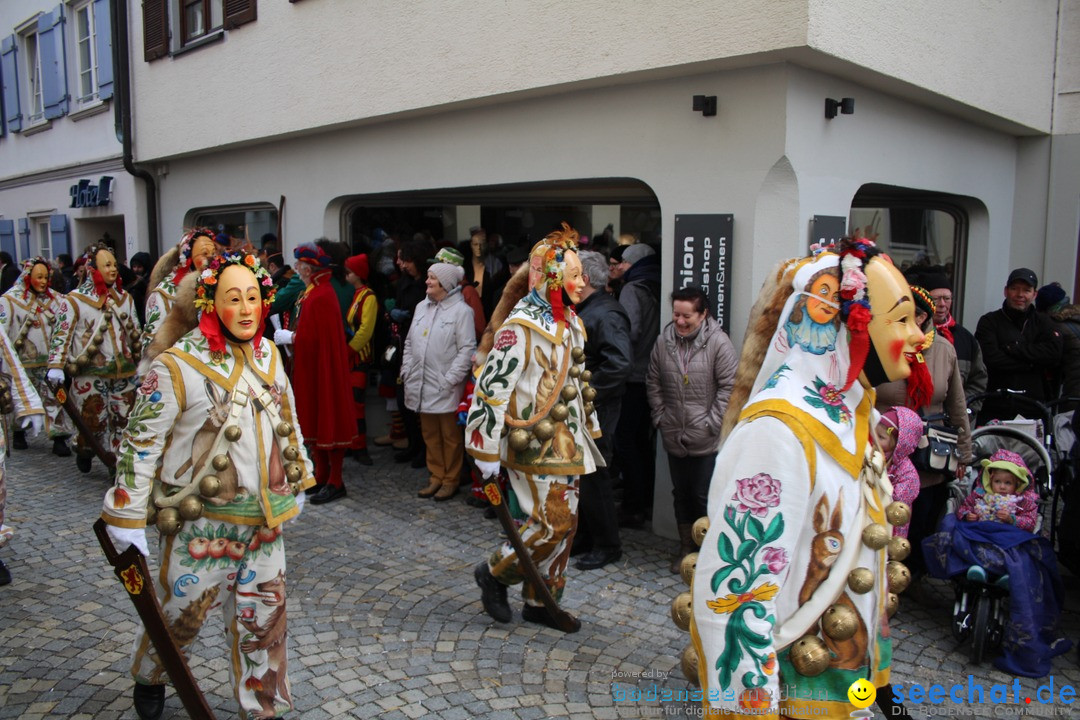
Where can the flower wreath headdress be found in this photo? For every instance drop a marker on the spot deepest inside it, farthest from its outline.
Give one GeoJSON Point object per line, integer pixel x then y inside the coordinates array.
{"type": "Point", "coordinates": [93, 274]}
{"type": "Point", "coordinates": [28, 267]}
{"type": "Point", "coordinates": [551, 251]}
{"type": "Point", "coordinates": [183, 260]}
{"type": "Point", "coordinates": [206, 287]}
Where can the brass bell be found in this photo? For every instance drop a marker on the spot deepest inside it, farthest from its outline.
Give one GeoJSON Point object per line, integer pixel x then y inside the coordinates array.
{"type": "Point", "coordinates": [700, 527]}
{"type": "Point", "coordinates": [220, 462]}
{"type": "Point", "coordinates": [899, 576]}
{"type": "Point", "coordinates": [295, 488]}
{"type": "Point", "coordinates": [99, 337]}
{"type": "Point", "coordinates": [83, 360]}
{"type": "Point", "coordinates": [689, 664]}
{"type": "Point", "coordinates": [233, 432]}
{"type": "Point", "coordinates": [107, 314]}
{"type": "Point", "coordinates": [574, 371]}
{"type": "Point", "coordinates": [19, 344]}
{"type": "Point", "coordinates": [72, 369]}
{"type": "Point", "coordinates": [586, 376]}
{"type": "Point", "coordinates": [544, 430]}
{"type": "Point", "coordinates": [291, 452]}
{"type": "Point", "coordinates": [899, 548]}
{"type": "Point", "coordinates": [92, 348]}
{"type": "Point", "coordinates": [588, 394]}
{"type": "Point", "coordinates": [578, 354]}
{"type": "Point", "coordinates": [294, 472]}
{"type": "Point", "coordinates": [681, 610]}
{"type": "Point", "coordinates": [123, 316]}
{"type": "Point", "coordinates": [809, 656]}
{"type": "Point", "coordinates": [861, 580]}
{"type": "Point", "coordinates": [569, 392]}
{"type": "Point", "coordinates": [898, 513]}
{"type": "Point", "coordinates": [892, 604]}
{"type": "Point", "coordinates": [559, 412]}
{"type": "Point", "coordinates": [876, 536]}
{"type": "Point", "coordinates": [210, 486]}
{"type": "Point", "coordinates": [168, 521]}
{"type": "Point", "coordinates": [518, 439]}
{"type": "Point", "coordinates": [840, 622]}
{"type": "Point", "coordinates": [687, 567]}
{"type": "Point", "coordinates": [588, 408]}
{"type": "Point", "coordinates": [283, 429]}
{"type": "Point", "coordinates": [191, 508]}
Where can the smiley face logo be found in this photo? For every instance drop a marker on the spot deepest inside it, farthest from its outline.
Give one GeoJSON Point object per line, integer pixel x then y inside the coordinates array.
{"type": "Point", "coordinates": [862, 693]}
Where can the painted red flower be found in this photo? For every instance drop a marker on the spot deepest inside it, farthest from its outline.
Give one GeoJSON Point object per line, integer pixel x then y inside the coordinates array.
{"type": "Point", "coordinates": [476, 439]}
{"type": "Point", "coordinates": [253, 684]}
{"type": "Point", "coordinates": [757, 494]}
{"type": "Point", "coordinates": [150, 383]}
{"type": "Point", "coordinates": [121, 499]}
{"type": "Point", "coordinates": [505, 340]}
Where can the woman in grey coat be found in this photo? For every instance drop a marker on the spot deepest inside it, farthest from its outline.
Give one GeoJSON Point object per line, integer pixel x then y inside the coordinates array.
{"type": "Point", "coordinates": [437, 358]}
{"type": "Point", "coordinates": [691, 372]}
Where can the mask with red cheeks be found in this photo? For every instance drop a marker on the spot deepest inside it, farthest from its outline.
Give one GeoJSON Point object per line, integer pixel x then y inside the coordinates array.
{"type": "Point", "coordinates": [39, 278]}
{"type": "Point", "coordinates": [893, 331]}
{"type": "Point", "coordinates": [238, 302]}
{"type": "Point", "coordinates": [202, 249]}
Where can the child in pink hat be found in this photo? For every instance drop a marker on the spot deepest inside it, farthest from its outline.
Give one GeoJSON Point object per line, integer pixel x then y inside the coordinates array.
{"type": "Point", "coordinates": [1004, 493]}
{"type": "Point", "coordinates": [898, 432]}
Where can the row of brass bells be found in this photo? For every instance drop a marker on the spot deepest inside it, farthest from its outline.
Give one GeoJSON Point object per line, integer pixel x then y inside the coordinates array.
{"type": "Point", "coordinates": [682, 605]}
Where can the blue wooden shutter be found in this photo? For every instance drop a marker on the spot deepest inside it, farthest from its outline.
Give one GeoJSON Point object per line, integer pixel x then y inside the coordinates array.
{"type": "Point", "coordinates": [7, 237]}
{"type": "Point", "coordinates": [9, 75]}
{"type": "Point", "coordinates": [24, 238]}
{"type": "Point", "coordinates": [103, 48]}
{"type": "Point", "coordinates": [58, 232]}
{"type": "Point", "coordinates": [53, 70]}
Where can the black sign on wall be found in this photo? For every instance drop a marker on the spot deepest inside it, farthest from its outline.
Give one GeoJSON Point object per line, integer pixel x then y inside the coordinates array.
{"type": "Point", "coordinates": [827, 229]}
{"type": "Point", "coordinates": [703, 259]}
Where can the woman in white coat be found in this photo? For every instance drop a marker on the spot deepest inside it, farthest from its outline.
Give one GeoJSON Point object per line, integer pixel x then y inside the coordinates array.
{"type": "Point", "coordinates": [437, 358]}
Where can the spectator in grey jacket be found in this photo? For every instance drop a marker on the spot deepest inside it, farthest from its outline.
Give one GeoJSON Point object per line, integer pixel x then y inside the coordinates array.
{"type": "Point", "coordinates": [691, 373]}
{"type": "Point", "coordinates": [436, 359]}
{"type": "Point", "coordinates": [634, 442]}
{"type": "Point", "coordinates": [608, 357]}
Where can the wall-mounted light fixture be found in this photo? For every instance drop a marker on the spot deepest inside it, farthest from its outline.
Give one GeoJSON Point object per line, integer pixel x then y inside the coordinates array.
{"type": "Point", "coordinates": [845, 105]}
{"type": "Point", "coordinates": [705, 104]}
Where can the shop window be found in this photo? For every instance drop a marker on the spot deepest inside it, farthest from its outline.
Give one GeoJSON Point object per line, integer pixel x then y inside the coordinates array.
{"type": "Point", "coordinates": [92, 50]}
{"type": "Point", "coordinates": [238, 226]}
{"type": "Point", "coordinates": [34, 73]}
{"type": "Point", "coordinates": [177, 25]}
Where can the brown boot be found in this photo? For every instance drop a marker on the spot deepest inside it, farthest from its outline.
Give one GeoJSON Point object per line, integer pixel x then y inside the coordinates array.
{"type": "Point", "coordinates": [686, 545]}
{"type": "Point", "coordinates": [447, 491]}
{"type": "Point", "coordinates": [432, 488]}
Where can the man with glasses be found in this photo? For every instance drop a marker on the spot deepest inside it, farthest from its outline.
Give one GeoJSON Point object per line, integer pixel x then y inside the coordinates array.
{"type": "Point", "coordinates": [968, 353]}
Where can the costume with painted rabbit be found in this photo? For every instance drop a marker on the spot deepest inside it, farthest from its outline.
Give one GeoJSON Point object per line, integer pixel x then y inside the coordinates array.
{"type": "Point", "coordinates": [534, 384]}
{"type": "Point", "coordinates": [213, 448]}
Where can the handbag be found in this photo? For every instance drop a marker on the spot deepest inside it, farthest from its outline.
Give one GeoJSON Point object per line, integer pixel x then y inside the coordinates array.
{"type": "Point", "coordinates": [936, 451]}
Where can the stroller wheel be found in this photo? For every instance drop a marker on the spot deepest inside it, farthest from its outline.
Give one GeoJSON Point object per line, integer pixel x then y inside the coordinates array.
{"type": "Point", "coordinates": [981, 630]}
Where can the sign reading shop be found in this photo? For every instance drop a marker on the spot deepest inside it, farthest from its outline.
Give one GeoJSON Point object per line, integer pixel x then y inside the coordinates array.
{"type": "Point", "coordinates": [703, 259]}
{"type": "Point", "coordinates": [86, 195]}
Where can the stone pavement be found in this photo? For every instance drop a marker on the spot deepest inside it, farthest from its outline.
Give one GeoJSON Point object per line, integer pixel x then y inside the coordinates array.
{"type": "Point", "coordinates": [384, 616]}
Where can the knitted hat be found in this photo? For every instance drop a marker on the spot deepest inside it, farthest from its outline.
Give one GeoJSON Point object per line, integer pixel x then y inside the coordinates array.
{"type": "Point", "coordinates": [450, 256]}
{"type": "Point", "coordinates": [358, 264]}
{"type": "Point", "coordinates": [450, 276]}
{"type": "Point", "coordinates": [312, 254]}
{"type": "Point", "coordinates": [1006, 460]}
{"type": "Point", "coordinates": [922, 299]}
{"type": "Point", "coordinates": [1050, 298]}
{"type": "Point", "coordinates": [636, 252]}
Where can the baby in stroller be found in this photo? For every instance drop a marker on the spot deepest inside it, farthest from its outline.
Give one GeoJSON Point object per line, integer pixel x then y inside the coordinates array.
{"type": "Point", "coordinates": [991, 534]}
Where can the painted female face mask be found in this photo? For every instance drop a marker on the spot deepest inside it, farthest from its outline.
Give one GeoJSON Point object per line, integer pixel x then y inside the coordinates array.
{"type": "Point", "coordinates": [893, 331]}
{"type": "Point", "coordinates": [105, 262]}
{"type": "Point", "coordinates": [238, 302]}
{"type": "Point", "coordinates": [202, 249]}
{"type": "Point", "coordinates": [39, 278]}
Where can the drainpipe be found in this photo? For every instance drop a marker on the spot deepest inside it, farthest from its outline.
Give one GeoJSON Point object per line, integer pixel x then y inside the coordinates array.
{"type": "Point", "coordinates": [121, 55]}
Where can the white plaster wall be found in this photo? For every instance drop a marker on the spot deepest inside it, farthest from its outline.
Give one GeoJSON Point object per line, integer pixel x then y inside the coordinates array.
{"type": "Point", "coordinates": [323, 64]}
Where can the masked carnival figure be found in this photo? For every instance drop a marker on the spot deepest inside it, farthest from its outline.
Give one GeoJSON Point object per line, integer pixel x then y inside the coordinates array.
{"type": "Point", "coordinates": [96, 342]}
{"type": "Point", "coordinates": [28, 314]}
{"type": "Point", "coordinates": [18, 399]}
{"type": "Point", "coordinates": [213, 456]}
{"type": "Point", "coordinates": [798, 571]}
{"type": "Point", "coordinates": [532, 414]}
{"type": "Point", "coordinates": [190, 255]}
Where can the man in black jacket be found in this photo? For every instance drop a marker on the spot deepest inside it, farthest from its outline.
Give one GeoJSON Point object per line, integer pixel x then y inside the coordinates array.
{"type": "Point", "coordinates": [608, 356]}
{"type": "Point", "coordinates": [1021, 347]}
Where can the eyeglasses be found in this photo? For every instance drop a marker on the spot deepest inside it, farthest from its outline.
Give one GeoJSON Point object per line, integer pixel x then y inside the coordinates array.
{"type": "Point", "coordinates": [941, 298]}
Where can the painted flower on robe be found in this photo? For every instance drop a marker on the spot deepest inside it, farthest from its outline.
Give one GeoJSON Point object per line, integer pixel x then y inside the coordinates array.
{"type": "Point", "coordinates": [828, 397]}
{"type": "Point", "coordinates": [769, 666]}
{"type": "Point", "coordinates": [505, 340]}
{"type": "Point", "coordinates": [476, 439]}
{"type": "Point", "coordinates": [757, 494]}
{"type": "Point", "coordinates": [731, 603]}
{"type": "Point", "coordinates": [121, 499]}
{"type": "Point", "coordinates": [149, 384]}
{"type": "Point", "coordinates": [253, 684]}
{"type": "Point", "coordinates": [776, 559]}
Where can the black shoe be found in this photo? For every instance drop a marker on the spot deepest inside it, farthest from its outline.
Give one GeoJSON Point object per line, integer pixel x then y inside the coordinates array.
{"type": "Point", "coordinates": [492, 594]}
{"type": "Point", "coordinates": [598, 559]}
{"type": "Point", "coordinates": [60, 447]}
{"type": "Point", "coordinates": [18, 440]}
{"type": "Point", "coordinates": [313, 490]}
{"type": "Point", "coordinates": [5, 575]}
{"type": "Point", "coordinates": [540, 615]}
{"type": "Point", "coordinates": [419, 460]}
{"type": "Point", "coordinates": [149, 701]}
{"type": "Point", "coordinates": [405, 455]}
{"type": "Point", "coordinates": [580, 546]}
{"type": "Point", "coordinates": [476, 502]}
{"type": "Point", "coordinates": [329, 493]}
{"type": "Point", "coordinates": [83, 463]}
{"type": "Point", "coordinates": [363, 457]}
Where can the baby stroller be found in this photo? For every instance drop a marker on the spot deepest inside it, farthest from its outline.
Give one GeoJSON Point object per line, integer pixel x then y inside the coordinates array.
{"type": "Point", "coordinates": [980, 610]}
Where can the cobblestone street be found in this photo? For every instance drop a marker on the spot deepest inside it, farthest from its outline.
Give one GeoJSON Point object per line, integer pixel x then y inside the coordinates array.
{"type": "Point", "coordinates": [384, 616]}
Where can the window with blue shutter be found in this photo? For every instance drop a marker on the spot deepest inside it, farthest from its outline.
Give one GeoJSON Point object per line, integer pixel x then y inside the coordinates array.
{"type": "Point", "coordinates": [50, 29]}
{"type": "Point", "coordinates": [103, 47]}
{"type": "Point", "coordinates": [9, 76]}
{"type": "Point", "coordinates": [24, 239]}
{"type": "Point", "coordinates": [58, 234]}
{"type": "Point", "coordinates": [7, 237]}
